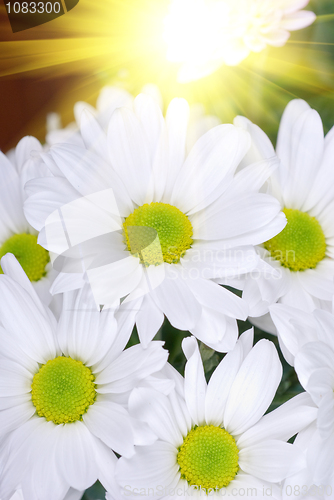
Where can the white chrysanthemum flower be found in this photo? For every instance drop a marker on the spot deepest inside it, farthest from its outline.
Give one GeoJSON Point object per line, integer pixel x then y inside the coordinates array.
{"type": "Point", "coordinates": [307, 342]}
{"type": "Point", "coordinates": [152, 225]}
{"type": "Point", "coordinates": [205, 34]}
{"type": "Point", "coordinates": [17, 236]}
{"type": "Point", "coordinates": [314, 365]}
{"type": "Point", "coordinates": [304, 185]}
{"type": "Point", "coordinates": [307, 484]}
{"type": "Point", "coordinates": [64, 389]}
{"type": "Point", "coordinates": [214, 436]}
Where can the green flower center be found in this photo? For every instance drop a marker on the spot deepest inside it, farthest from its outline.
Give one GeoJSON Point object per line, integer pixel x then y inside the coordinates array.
{"type": "Point", "coordinates": [32, 257]}
{"type": "Point", "coordinates": [301, 244]}
{"type": "Point", "coordinates": [157, 233]}
{"type": "Point", "coordinates": [208, 457]}
{"type": "Point", "coordinates": [62, 390]}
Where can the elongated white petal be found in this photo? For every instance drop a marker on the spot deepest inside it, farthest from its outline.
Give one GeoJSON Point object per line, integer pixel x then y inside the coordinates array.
{"type": "Point", "coordinates": [271, 460]}
{"type": "Point", "coordinates": [282, 423]}
{"type": "Point", "coordinates": [254, 388]}
{"type": "Point", "coordinates": [129, 153]}
{"type": "Point", "coordinates": [31, 328]}
{"type": "Point", "coordinates": [151, 467]}
{"type": "Point", "coordinates": [195, 384]}
{"type": "Point", "coordinates": [75, 455]}
{"type": "Point", "coordinates": [224, 145]}
{"type": "Point", "coordinates": [175, 299]}
{"type": "Point", "coordinates": [132, 365]}
{"type": "Point", "coordinates": [111, 423]}
{"type": "Point", "coordinates": [148, 320]}
{"type": "Point", "coordinates": [220, 385]}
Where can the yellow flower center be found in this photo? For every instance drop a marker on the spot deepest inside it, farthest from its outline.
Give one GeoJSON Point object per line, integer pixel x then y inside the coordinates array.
{"type": "Point", "coordinates": [208, 457]}
{"type": "Point", "coordinates": [157, 233]}
{"type": "Point", "coordinates": [32, 257]}
{"type": "Point", "coordinates": [301, 245]}
{"type": "Point", "coordinates": [62, 390]}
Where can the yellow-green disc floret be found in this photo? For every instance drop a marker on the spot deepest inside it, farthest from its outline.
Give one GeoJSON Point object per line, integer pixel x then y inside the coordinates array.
{"type": "Point", "coordinates": [208, 457]}
{"type": "Point", "coordinates": [173, 228]}
{"type": "Point", "coordinates": [62, 390]}
{"type": "Point", "coordinates": [32, 257]}
{"type": "Point", "coordinates": [301, 245]}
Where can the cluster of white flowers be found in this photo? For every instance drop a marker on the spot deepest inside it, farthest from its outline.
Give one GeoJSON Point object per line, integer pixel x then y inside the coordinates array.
{"type": "Point", "coordinates": [141, 217]}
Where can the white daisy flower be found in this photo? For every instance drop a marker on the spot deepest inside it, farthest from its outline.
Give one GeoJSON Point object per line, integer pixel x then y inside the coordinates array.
{"type": "Point", "coordinates": [213, 438]}
{"type": "Point", "coordinates": [314, 365]}
{"type": "Point", "coordinates": [63, 392]}
{"type": "Point", "coordinates": [304, 186]}
{"type": "Point", "coordinates": [17, 236]}
{"type": "Point", "coordinates": [203, 35]}
{"type": "Point", "coordinates": [150, 224]}
{"type": "Point", "coordinates": [303, 484]}
{"type": "Point", "coordinates": [306, 341]}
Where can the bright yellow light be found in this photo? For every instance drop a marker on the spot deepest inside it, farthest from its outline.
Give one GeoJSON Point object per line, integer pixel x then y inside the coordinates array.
{"type": "Point", "coordinates": [205, 34]}
{"type": "Point", "coordinates": [196, 34]}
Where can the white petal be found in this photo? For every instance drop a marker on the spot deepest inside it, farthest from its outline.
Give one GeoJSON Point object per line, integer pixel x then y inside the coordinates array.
{"type": "Point", "coordinates": [239, 216]}
{"type": "Point", "coordinates": [216, 297]}
{"type": "Point", "coordinates": [115, 280]}
{"type": "Point", "coordinates": [14, 417]}
{"type": "Point", "coordinates": [216, 330]}
{"type": "Point", "coordinates": [31, 328]}
{"type": "Point", "coordinates": [298, 20]}
{"type": "Point", "coordinates": [254, 388]}
{"type": "Point", "coordinates": [11, 196]}
{"type": "Point", "coordinates": [149, 319]}
{"type": "Point", "coordinates": [132, 365]}
{"type": "Point", "coordinates": [129, 153]}
{"type": "Point", "coordinates": [220, 384]}
{"type": "Point", "coordinates": [86, 171]}
{"type": "Point", "coordinates": [177, 117]}
{"type": "Point", "coordinates": [215, 156]}
{"type": "Point", "coordinates": [45, 195]}
{"type": "Point", "coordinates": [282, 423]}
{"type": "Point", "coordinates": [23, 150]}
{"type": "Point", "coordinates": [150, 467]}
{"type": "Point", "coordinates": [149, 114]}
{"type": "Point", "coordinates": [75, 455]}
{"type": "Point", "coordinates": [320, 458]}
{"type": "Point", "coordinates": [195, 384]}
{"type": "Point", "coordinates": [84, 332]}
{"type": "Point", "coordinates": [294, 327]}
{"type": "Point", "coordinates": [155, 409]}
{"type": "Point", "coordinates": [111, 423]}
{"type": "Point", "coordinates": [313, 356]}
{"type": "Point", "coordinates": [175, 299]}
{"type": "Point", "coordinates": [307, 144]}
{"type": "Point", "coordinates": [272, 460]}
{"type": "Point", "coordinates": [291, 114]}
{"type": "Point", "coordinates": [93, 135]}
